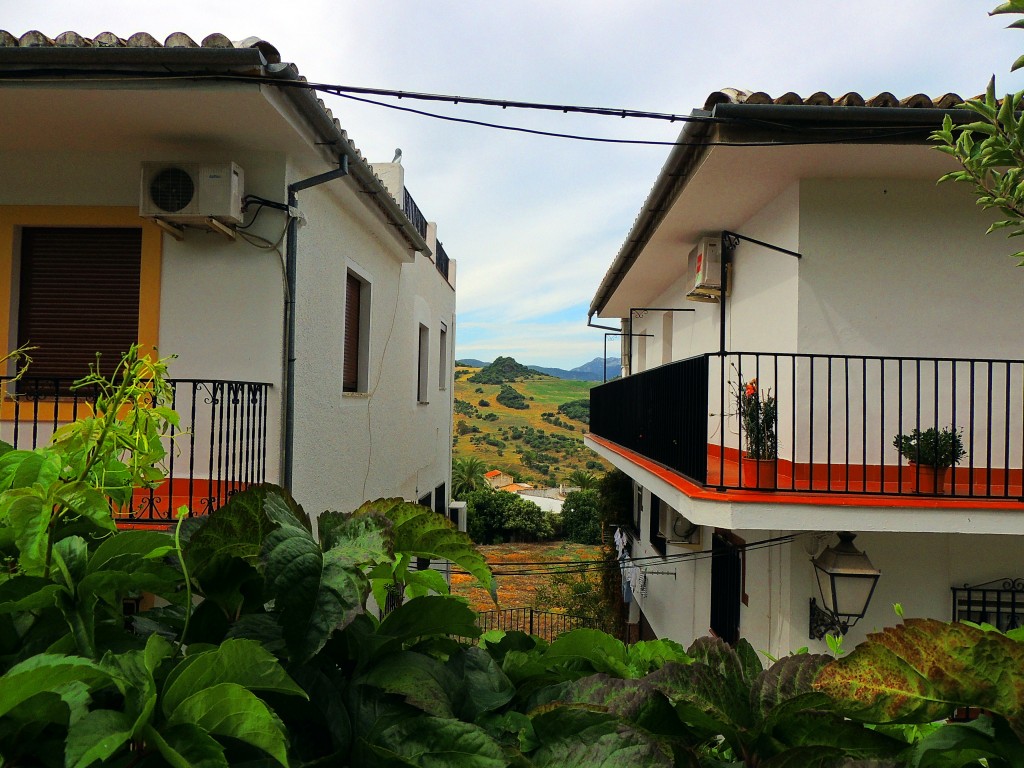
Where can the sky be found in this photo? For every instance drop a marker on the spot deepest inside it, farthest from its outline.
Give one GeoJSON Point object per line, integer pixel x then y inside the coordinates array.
{"type": "Point", "coordinates": [534, 222]}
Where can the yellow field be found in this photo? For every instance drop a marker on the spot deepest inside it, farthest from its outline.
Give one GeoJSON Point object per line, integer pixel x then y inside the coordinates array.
{"type": "Point", "coordinates": [543, 395]}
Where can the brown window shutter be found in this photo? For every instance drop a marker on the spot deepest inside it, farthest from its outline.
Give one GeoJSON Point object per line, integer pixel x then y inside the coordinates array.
{"type": "Point", "coordinates": [350, 376]}
{"type": "Point", "coordinates": [78, 295]}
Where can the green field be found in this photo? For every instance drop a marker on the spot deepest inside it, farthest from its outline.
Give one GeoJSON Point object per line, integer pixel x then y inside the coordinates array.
{"type": "Point", "coordinates": [562, 449]}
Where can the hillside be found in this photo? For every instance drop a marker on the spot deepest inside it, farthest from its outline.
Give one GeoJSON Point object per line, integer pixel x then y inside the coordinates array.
{"type": "Point", "coordinates": [592, 371]}
{"type": "Point", "coordinates": [537, 444]}
{"type": "Point", "coordinates": [504, 370]}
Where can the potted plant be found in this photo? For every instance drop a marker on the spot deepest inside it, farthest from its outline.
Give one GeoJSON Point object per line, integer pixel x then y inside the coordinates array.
{"type": "Point", "coordinates": [931, 453]}
{"type": "Point", "coordinates": [758, 413]}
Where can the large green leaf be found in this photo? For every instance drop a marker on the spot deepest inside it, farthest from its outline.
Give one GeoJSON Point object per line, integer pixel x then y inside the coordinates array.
{"type": "Point", "coordinates": [920, 670]}
{"type": "Point", "coordinates": [369, 531]}
{"type": "Point", "coordinates": [314, 592]}
{"type": "Point", "coordinates": [244, 662]}
{"type": "Point", "coordinates": [633, 700]}
{"type": "Point", "coordinates": [481, 685]}
{"type": "Point", "coordinates": [44, 673]}
{"type": "Point", "coordinates": [135, 674]}
{"type": "Point", "coordinates": [236, 530]}
{"type": "Point", "coordinates": [420, 532]}
{"type": "Point", "coordinates": [82, 500]}
{"type": "Point", "coordinates": [29, 518]}
{"type": "Point", "coordinates": [420, 680]}
{"type": "Point", "coordinates": [230, 710]}
{"type": "Point", "coordinates": [96, 736]}
{"type": "Point", "coordinates": [429, 615]}
{"type": "Point", "coordinates": [574, 737]}
{"type": "Point", "coordinates": [602, 651]}
{"type": "Point", "coordinates": [27, 593]}
{"type": "Point", "coordinates": [187, 746]}
{"type": "Point", "coordinates": [127, 549]}
{"type": "Point", "coordinates": [433, 742]}
{"type": "Point", "coordinates": [22, 469]}
{"type": "Point", "coordinates": [962, 744]}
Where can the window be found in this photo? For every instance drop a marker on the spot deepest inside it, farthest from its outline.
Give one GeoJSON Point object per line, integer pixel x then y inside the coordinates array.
{"type": "Point", "coordinates": [357, 334]}
{"type": "Point", "coordinates": [441, 499]}
{"type": "Point", "coordinates": [442, 358]}
{"type": "Point", "coordinates": [422, 364]}
{"type": "Point", "coordinates": [68, 228]}
{"type": "Point", "coordinates": [78, 295]}
{"type": "Point", "coordinates": [654, 521]}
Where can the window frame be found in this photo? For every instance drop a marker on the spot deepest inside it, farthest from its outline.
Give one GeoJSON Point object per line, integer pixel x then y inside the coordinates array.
{"type": "Point", "coordinates": [363, 341]}
{"type": "Point", "coordinates": [13, 218]}
{"type": "Point", "coordinates": [442, 357]}
{"type": "Point", "coordinates": [422, 364]}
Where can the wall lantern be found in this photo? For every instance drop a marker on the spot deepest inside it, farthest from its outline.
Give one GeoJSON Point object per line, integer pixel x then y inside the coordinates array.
{"type": "Point", "coordinates": [846, 580]}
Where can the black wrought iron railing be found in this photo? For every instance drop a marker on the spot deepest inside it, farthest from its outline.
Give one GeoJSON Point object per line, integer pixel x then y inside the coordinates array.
{"type": "Point", "coordinates": [413, 213]}
{"type": "Point", "coordinates": [661, 414]}
{"type": "Point", "coordinates": [219, 447]}
{"type": "Point", "coordinates": [441, 260]}
{"type": "Point", "coordinates": [836, 424]}
{"type": "Point", "coordinates": [999, 603]}
{"type": "Point", "coordinates": [545, 624]}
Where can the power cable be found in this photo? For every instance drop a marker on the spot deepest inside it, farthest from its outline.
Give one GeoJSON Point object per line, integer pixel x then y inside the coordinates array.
{"type": "Point", "coordinates": [850, 133]}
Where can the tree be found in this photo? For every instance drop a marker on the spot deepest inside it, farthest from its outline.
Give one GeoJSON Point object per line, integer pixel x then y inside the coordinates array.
{"type": "Point", "coordinates": [467, 476]}
{"type": "Point", "coordinates": [581, 521]}
{"type": "Point", "coordinates": [496, 516]}
{"type": "Point", "coordinates": [580, 478]}
{"type": "Point", "coordinates": [991, 149]}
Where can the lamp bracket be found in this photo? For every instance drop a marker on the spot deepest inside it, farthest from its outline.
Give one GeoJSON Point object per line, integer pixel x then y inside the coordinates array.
{"type": "Point", "coordinates": [823, 622]}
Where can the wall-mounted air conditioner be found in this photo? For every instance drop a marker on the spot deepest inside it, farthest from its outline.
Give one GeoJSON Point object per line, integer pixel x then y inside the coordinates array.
{"type": "Point", "coordinates": [677, 530]}
{"type": "Point", "coordinates": [192, 193]}
{"type": "Point", "coordinates": [704, 270]}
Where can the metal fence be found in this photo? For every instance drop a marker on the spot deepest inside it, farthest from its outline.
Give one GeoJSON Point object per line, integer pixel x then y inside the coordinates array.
{"type": "Point", "coordinates": [837, 419]}
{"type": "Point", "coordinates": [413, 213]}
{"type": "Point", "coordinates": [219, 447]}
{"type": "Point", "coordinates": [544, 624]}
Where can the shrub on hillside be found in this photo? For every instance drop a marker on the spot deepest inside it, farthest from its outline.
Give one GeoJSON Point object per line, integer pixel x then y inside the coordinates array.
{"type": "Point", "coordinates": [512, 398]}
{"type": "Point", "coordinates": [576, 409]}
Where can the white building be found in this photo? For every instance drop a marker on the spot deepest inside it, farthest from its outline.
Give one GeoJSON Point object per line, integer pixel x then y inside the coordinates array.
{"type": "Point", "coordinates": [201, 200]}
{"type": "Point", "coordinates": [886, 309]}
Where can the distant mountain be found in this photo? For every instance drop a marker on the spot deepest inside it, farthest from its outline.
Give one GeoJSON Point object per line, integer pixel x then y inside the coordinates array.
{"type": "Point", "coordinates": [592, 371]}
{"type": "Point", "coordinates": [504, 369]}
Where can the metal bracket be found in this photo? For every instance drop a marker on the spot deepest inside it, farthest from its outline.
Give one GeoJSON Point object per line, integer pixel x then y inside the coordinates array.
{"type": "Point", "coordinates": [822, 622]}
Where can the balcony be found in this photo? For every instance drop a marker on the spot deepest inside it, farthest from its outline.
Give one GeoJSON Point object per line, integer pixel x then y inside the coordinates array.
{"type": "Point", "coordinates": [219, 449]}
{"type": "Point", "coordinates": [413, 213]}
{"type": "Point", "coordinates": [836, 422]}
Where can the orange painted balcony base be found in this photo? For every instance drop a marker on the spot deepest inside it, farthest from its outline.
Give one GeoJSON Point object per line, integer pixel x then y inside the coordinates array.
{"type": "Point", "coordinates": [838, 484]}
{"type": "Point", "coordinates": [157, 508]}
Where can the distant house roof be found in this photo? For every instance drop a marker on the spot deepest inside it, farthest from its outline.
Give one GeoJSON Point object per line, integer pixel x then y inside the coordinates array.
{"type": "Point", "coordinates": [493, 473]}
{"type": "Point", "coordinates": [34, 55]}
{"type": "Point", "coordinates": [745, 117]}
{"type": "Point", "coordinates": [515, 487]}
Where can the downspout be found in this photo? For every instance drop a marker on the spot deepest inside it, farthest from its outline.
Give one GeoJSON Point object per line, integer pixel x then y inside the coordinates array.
{"type": "Point", "coordinates": [291, 270]}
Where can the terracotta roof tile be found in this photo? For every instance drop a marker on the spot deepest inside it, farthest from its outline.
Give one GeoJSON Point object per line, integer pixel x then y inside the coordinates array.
{"type": "Point", "coordinates": [821, 98]}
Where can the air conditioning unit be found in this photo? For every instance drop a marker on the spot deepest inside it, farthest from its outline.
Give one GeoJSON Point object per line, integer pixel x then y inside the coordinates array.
{"type": "Point", "coordinates": [704, 270]}
{"type": "Point", "coordinates": [677, 530]}
{"type": "Point", "coordinates": [192, 193]}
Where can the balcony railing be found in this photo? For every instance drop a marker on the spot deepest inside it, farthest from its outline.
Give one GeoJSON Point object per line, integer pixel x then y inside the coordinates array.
{"type": "Point", "coordinates": [838, 416]}
{"type": "Point", "coordinates": [219, 448]}
{"type": "Point", "coordinates": [441, 260]}
{"type": "Point", "coordinates": [413, 213]}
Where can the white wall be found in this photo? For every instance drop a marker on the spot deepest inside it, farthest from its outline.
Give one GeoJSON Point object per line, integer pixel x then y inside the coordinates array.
{"type": "Point", "coordinates": [351, 447]}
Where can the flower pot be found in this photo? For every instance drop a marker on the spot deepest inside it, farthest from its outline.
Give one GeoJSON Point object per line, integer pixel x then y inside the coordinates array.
{"type": "Point", "coordinates": [759, 473]}
{"type": "Point", "coordinates": [928, 479]}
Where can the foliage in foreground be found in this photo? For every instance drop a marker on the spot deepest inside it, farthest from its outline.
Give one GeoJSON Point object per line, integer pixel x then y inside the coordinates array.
{"type": "Point", "coordinates": [264, 652]}
{"type": "Point", "coordinates": [991, 148]}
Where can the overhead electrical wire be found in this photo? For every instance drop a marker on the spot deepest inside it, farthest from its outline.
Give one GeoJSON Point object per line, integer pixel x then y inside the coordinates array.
{"type": "Point", "coordinates": [561, 567]}
{"type": "Point", "coordinates": [849, 133]}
